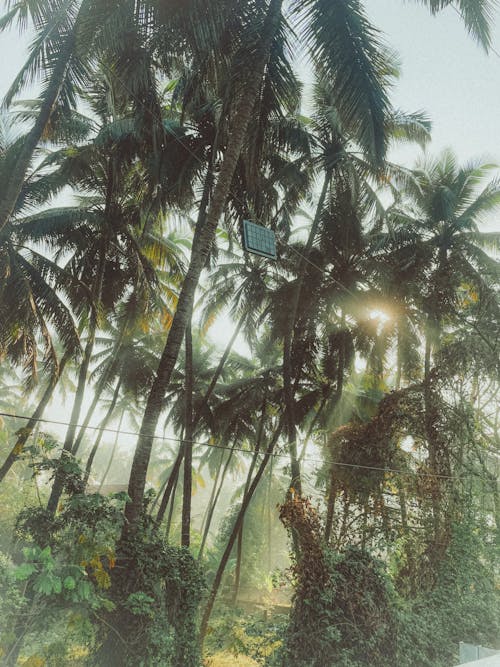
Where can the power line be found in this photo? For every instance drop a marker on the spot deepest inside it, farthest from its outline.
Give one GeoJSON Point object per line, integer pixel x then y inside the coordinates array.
{"type": "Point", "coordinates": [246, 451]}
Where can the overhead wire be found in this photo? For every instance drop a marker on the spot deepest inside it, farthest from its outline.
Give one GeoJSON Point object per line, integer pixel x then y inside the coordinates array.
{"type": "Point", "coordinates": [214, 445]}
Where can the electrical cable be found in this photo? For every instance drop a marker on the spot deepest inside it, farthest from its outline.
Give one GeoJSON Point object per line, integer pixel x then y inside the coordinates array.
{"type": "Point", "coordinates": [247, 451]}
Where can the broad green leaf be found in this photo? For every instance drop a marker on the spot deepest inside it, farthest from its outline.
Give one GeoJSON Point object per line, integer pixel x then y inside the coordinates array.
{"type": "Point", "coordinates": [24, 571]}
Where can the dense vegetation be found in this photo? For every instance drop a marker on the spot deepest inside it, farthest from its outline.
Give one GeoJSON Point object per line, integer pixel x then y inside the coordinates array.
{"type": "Point", "coordinates": [319, 490]}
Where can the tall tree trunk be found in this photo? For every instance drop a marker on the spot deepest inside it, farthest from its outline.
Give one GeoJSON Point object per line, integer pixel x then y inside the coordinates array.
{"type": "Point", "coordinates": [172, 479]}
{"type": "Point", "coordinates": [14, 185]}
{"type": "Point", "coordinates": [288, 343]}
{"type": "Point", "coordinates": [399, 359]}
{"type": "Point", "coordinates": [332, 496]}
{"type": "Point", "coordinates": [218, 371]}
{"type": "Point", "coordinates": [212, 507]}
{"type": "Point", "coordinates": [188, 441]}
{"type": "Point", "coordinates": [430, 436]}
{"type": "Point", "coordinates": [102, 426]}
{"type": "Point", "coordinates": [110, 369]}
{"type": "Point", "coordinates": [330, 511]}
{"type": "Point", "coordinates": [58, 485]}
{"type": "Point", "coordinates": [234, 533]}
{"type": "Point", "coordinates": [212, 492]}
{"type": "Point", "coordinates": [310, 430]}
{"type": "Point", "coordinates": [239, 547]}
{"type": "Point", "coordinates": [203, 240]}
{"type": "Point", "coordinates": [269, 518]}
{"type": "Point", "coordinates": [113, 451]}
{"type": "Point", "coordinates": [24, 433]}
{"type": "Point", "coordinates": [171, 510]}
{"type": "Point", "coordinates": [196, 419]}
{"type": "Point", "coordinates": [101, 385]}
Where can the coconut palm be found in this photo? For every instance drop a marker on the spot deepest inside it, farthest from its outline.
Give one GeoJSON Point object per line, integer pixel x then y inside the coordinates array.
{"type": "Point", "coordinates": [363, 104]}
{"type": "Point", "coordinates": [436, 220]}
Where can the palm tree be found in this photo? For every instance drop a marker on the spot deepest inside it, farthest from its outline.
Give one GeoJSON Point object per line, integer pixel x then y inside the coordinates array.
{"type": "Point", "coordinates": [362, 102]}
{"type": "Point", "coordinates": [62, 57]}
{"type": "Point", "coordinates": [437, 218]}
{"type": "Point", "coordinates": [128, 257]}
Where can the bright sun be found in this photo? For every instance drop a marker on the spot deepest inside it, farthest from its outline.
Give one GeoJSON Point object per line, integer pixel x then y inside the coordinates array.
{"type": "Point", "coordinates": [379, 315]}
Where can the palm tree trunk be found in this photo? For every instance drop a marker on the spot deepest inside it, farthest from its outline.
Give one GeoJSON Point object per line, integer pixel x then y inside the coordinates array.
{"type": "Point", "coordinates": [113, 451]}
{"type": "Point", "coordinates": [57, 487]}
{"type": "Point", "coordinates": [213, 492]}
{"type": "Point", "coordinates": [197, 416]}
{"type": "Point", "coordinates": [203, 240]}
{"type": "Point", "coordinates": [399, 360]}
{"type": "Point", "coordinates": [102, 426]}
{"type": "Point", "coordinates": [269, 518]}
{"type": "Point", "coordinates": [188, 442]}
{"type": "Point", "coordinates": [211, 510]}
{"type": "Point", "coordinates": [24, 433]}
{"type": "Point", "coordinates": [171, 509]}
{"type": "Point", "coordinates": [95, 401]}
{"type": "Point", "coordinates": [50, 96]}
{"type": "Point", "coordinates": [172, 479]}
{"type": "Point", "coordinates": [239, 548]}
{"type": "Point", "coordinates": [332, 495]}
{"type": "Point", "coordinates": [314, 421]}
{"type": "Point", "coordinates": [234, 533]}
{"type": "Point", "coordinates": [218, 371]}
{"type": "Point", "coordinates": [104, 379]}
{"type": "Point", "coordinates": [170, 483]}
{"type": "Point", "coordinates": [288, 342]}
{"type": "Point", "coordinates": [430, 436]}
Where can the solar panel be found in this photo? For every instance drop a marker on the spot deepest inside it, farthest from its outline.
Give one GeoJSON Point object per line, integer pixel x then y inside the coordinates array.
{"type": "Point", "coordinates": [259, 240]}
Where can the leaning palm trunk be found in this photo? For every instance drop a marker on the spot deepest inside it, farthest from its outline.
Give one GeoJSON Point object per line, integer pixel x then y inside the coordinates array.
{"type": "Point", "coordinates": [95, 401]}
{"type": "Point", "coordinates": [49, 100]}
{"type": "Point", "coordinates": [239, 548]}
{"type": "Point", "coordinates": [171, 482]}
{"type": "Point", "coordinates": [213, 505]}
{"type": "Point", "coordinates": [26, 431]}
{"type": "Point", "coordinates": [288, 344]}
{"type": "Point", "coordinates": [102, 426]}
{"type": "Point", "coordinates": [108, 373]}
{"type": "Point", "coordinates": [204, 238]}
{"type": "Point", "coordinates": [215, 486]}
{"type": "Point", "coordinates": [167, 487]}
{"type": "Point", "coordinates": [234, 533]}
{"type": "Point", "coordinates": [57, 487]}
{"type": "Point", "coordinates": [188, 439]}
{"type": "Point", "coordinates": [113, 451]}
{"type": "Point", "coordinates": [218, 370]}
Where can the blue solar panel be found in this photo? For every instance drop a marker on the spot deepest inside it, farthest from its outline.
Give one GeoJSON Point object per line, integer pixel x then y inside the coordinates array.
{"type": "Point", "coordinates": [259, 239]}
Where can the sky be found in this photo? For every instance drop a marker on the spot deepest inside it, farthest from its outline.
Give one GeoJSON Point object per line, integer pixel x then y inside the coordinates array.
{"type": "Point", "coordinates": [444, 72]}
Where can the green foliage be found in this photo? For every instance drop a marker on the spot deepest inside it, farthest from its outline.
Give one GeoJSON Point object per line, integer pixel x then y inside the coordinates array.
{"type": "Point", "coordinates": [359, 618]}
{"type": "Point", "coordinates": [464, 604]}
{"type": "Point", "coordinates": [351, 619]}
{"type": "Point", "coordinates": [156, 605]}
{"type": "Point", "coordinates": [252, 635]}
